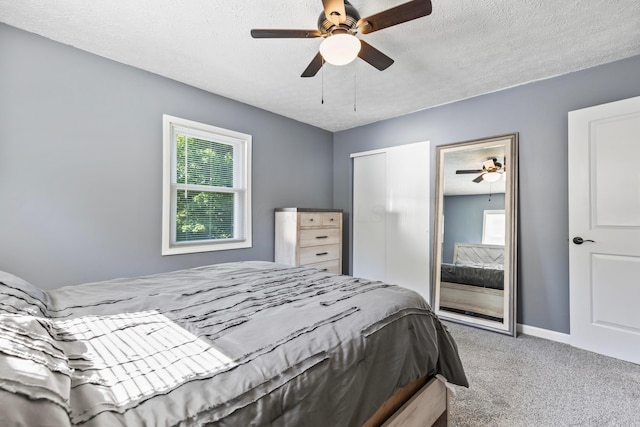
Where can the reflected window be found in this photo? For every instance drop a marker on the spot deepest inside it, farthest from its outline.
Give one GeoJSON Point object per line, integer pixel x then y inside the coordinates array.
{"type": "Point", "coordinates": [493, 227]}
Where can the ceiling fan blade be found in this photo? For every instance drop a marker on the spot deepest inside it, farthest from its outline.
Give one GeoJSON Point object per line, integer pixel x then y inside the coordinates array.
{"type": "Point", "coordinates": [284, 34]}
{"type": "Point", "coordinates": [373, 56]}
{"type": "Point", "coordinates": [394, 16]}
{"type": "Point", "coordinates": [334, 11]}
{"type": "Point", "coordinates": [314, 66]}
{"type": "Point", "coordinates": [461, 171]}
{"type": "Point", "coordinates": [479, 179]}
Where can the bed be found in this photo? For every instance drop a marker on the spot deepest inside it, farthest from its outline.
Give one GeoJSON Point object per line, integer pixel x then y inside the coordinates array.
{"type": "Point", "coordinates": [237, 344]}
{"type": "Point", "coordinates": [474, 282]}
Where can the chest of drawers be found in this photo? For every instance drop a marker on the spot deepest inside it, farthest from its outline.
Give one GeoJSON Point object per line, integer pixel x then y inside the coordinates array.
{"type": "Point", "coordinates": [309, 237]}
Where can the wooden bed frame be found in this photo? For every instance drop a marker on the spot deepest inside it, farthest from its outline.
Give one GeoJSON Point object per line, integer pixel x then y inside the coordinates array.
{"type": "Point", "coordinates": [424, 402]}
{"type": "Point", "coordinates": [474, 299]}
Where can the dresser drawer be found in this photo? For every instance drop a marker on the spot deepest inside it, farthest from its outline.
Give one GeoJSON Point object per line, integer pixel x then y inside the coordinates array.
{"type": "Point", "coordinates": [319, 236]}
{"type": "Point", "coordinates": [332, 266]}
{"type": "Point", "coordinates": [331, 219]}
{"type": "Point", "coordinates": [311, 219]}
{"type": "Point", "coordinates": [314, 254]}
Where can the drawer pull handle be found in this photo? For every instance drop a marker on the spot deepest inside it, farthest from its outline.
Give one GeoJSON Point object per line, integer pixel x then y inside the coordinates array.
{"type": "Point", "coordinates": [322, 237]}
{"type": "Point", "coordinates": [322, 253]}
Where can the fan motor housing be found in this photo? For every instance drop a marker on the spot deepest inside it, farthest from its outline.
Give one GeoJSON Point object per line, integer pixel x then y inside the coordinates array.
{"type": "Point", "coordinates": [351, 24]}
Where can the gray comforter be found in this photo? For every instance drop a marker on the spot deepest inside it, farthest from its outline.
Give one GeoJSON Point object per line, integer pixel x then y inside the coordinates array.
{"type": "Point", "coordinates": [237, 344]}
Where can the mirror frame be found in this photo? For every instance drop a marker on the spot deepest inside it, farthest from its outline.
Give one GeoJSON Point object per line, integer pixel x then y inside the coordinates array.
{"type": "Point", "coordinates": [508, 324]}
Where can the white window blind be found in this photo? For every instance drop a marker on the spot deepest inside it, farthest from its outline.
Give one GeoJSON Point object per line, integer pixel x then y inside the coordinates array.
{"type": "Point", "coordinates": [207, 187]}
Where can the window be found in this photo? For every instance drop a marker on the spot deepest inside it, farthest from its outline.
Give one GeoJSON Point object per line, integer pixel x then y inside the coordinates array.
{"type": "Point", "coordinates": [494, 227]}
{"type": "Point", "coordinates": [206, 188]}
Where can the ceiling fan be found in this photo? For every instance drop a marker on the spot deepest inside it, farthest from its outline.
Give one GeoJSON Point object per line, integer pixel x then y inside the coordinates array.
{"type": "Point", "coordinates": [491, 171]}
{"type": "Point", "coordinates": [339, 23]}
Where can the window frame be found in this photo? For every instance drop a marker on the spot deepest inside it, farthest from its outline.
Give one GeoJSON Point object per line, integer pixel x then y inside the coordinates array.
{"type": "Point", "coordinates": [241, 187]}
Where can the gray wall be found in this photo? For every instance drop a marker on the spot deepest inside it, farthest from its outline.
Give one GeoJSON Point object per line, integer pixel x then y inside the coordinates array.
{"type": "Point", "coordinates": [538, 111]}
{"type": "Point", "coordinates": [81, 164]}
{"type": "Point", "coordinates": [463, 219]}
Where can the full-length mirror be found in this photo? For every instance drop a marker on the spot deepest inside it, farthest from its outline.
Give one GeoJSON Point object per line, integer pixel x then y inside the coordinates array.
{"type": "Point", "coordinates": [474, 268]}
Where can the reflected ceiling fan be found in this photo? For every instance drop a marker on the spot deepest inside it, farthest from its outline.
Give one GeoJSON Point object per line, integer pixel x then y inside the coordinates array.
{"type": "Point", "coordinates": [491, 171]}
{"type": "Point", "coordinates": [339, 23]}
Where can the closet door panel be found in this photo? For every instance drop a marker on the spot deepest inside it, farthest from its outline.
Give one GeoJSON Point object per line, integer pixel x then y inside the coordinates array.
{"type": "Point", "coordinates": [369, 216]}
{"type": "Point", "coordinates": [407, 219]}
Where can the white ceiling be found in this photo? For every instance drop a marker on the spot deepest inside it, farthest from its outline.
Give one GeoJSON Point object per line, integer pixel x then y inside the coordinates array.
{"type": "Point", "coordinates": [463, 49]}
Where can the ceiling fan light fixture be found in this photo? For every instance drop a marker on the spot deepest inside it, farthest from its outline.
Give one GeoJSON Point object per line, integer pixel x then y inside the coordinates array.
{"type": "Point", "coordinates": [340, 49]}
{"type": "Point", "coordinates": [492, 176]}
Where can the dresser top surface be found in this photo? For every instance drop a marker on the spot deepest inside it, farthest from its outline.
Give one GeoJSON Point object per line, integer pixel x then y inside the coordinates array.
{"type": "Point", "coordinates": [306, 210]}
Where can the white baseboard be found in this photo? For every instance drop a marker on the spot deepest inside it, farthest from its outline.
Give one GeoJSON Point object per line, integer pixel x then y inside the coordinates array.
{"type": "Point", "coordinates": [544, 333]}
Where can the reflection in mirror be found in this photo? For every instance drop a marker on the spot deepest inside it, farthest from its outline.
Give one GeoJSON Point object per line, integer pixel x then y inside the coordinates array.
{"type": "Point", "coordinates": [475, 244]}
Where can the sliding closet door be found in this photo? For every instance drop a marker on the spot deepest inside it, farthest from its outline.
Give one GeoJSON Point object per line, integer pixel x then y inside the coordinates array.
{"type": "Point", "coordinates": [407, 231]}
{"type": "Point", "coordinates": [391, 216]}
{"type": "Point", "coordinates": [369, 216]}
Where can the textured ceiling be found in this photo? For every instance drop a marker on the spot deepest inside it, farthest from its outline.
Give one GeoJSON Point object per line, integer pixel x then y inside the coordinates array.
{"type": "Point", "coordinates": [463, 49]}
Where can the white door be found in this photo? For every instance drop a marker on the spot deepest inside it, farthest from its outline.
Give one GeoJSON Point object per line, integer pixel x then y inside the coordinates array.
{"type": "Point", "coordinates": [391, 216]}
{"type": "Point", "coordinates": [604, 211]}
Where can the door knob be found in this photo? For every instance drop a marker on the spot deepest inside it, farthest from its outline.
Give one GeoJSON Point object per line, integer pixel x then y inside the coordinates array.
{"type": "Point", "coordinates": [580, 240]}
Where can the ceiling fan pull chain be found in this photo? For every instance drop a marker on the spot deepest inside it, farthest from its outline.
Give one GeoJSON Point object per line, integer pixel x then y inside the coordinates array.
{"type": "Point", "coordinates": [355, 92]}
{"type": "Point", "coordinates": [322, 86]}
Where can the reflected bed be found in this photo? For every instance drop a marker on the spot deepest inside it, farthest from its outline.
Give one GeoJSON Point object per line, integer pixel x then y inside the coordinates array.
{"type": "Point", "coordinates": [251, 343]}
{"type": "Point", "coordinates": [474, 283]}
